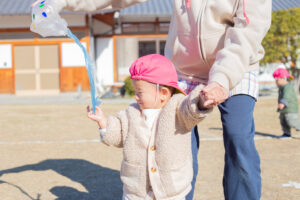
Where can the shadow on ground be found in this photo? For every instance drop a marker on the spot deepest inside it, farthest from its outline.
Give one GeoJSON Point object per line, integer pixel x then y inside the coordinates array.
{"type": "Point", "coordinates": [100, 182]}
{"type": "Point", "coordinates": [278, 137]}
{"type": "Point", "coordinates": [267, 135]}
{"type": "Point", "coordinates": [256, 133]}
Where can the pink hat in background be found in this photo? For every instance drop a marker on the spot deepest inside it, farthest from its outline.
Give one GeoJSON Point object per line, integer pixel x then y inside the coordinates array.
{"type": "Point", "coordinates": [156, 69]}
{"type": "Point", "coordinates": [282, 73]}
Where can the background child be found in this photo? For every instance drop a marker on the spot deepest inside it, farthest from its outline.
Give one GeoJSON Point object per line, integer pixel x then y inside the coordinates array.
{"type": "Point", "coordinates": [287, 102]}
{"type": "Point", "coordinates": [155, 132]}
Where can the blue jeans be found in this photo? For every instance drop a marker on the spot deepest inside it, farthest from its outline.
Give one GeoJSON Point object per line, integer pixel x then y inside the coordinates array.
{"type": "Point", "coordinates": [241, 180]}
{"type": "Point", "coordinates": [195, 147]}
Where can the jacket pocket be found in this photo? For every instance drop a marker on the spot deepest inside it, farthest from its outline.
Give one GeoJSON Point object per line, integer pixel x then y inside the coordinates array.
{"type": "Point", "coordinates": [130, 176]}
{"type": "Point", "coordinates": [178, 180]}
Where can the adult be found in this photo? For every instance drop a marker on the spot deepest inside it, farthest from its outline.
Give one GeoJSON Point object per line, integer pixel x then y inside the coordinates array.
{"type": "Point", "coordinates": [218, 42]}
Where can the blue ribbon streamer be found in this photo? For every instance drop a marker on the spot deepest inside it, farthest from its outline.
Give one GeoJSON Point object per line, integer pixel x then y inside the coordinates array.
{"type": "Point", "coordinates": [89, 66]}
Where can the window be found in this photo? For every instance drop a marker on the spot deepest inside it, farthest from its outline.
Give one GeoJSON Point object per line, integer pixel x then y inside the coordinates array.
{"type": "Point", "coordinates": [130, 28]}
{"type": "Point", "coordinates": [162, 45]}
{"type": "Point", "coordinates": [146, 48]}
{"type": "Point", "coordinates": [128, 49]}
{"type": "Point", "coordinates": [138, 28]}
{"type": "Point", "coordinates": [150, 47]}
{"type": "Point", "coordinates": [145, 27]}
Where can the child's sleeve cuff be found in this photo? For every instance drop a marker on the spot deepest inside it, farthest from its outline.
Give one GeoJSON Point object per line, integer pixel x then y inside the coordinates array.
{"type": "Point", "coordinates": [102, 133]}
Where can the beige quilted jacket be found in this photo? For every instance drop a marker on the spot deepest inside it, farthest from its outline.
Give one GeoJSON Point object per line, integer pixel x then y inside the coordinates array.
{"type": "Point", "coordinates": [171, 172]}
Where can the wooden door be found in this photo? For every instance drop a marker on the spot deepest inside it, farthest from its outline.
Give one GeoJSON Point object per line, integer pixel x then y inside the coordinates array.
{"type": "Point", "coordinates": [37, 70]}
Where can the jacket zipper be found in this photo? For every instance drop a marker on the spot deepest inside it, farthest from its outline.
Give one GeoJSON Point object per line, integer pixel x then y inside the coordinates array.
{"type": "Point", "coordinates": [188, 3]}
{"type": "Point", "coordinates": [200, 19]}
{"type": "Point", "coordinates": [245, 13]}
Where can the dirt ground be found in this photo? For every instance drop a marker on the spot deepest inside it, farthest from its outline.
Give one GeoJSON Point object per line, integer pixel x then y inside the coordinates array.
{"type": "Point", "coordinates": [52, 152]}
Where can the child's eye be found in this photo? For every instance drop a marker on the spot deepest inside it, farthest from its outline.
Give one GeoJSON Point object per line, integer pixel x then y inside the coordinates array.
{"type": "Point", "coordinates": [139, 94]}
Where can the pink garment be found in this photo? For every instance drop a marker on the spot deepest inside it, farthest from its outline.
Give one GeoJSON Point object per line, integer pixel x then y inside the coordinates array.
{"type": "Point", "coordinates": [245, 14]}
{"type": "Point", "coordinates": [282, 73]}
{"type": "Point", "coordinates": [156, 69]}
{"type": "Point", "coordinates": [188, 3]}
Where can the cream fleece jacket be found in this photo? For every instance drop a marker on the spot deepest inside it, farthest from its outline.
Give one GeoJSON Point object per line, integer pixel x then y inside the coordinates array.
{"type": "Point", "coordinates": [172, 173]}
{"type": "Point", "coordinates": [211, 40]}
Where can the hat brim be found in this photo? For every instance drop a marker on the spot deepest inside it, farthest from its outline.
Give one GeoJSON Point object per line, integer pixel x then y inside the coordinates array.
{"type": "Point", "coordinates": [178, 90]}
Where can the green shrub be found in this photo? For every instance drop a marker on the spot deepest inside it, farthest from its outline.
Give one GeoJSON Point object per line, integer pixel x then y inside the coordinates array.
{"type": "Point", "coordinates": [128, 87]}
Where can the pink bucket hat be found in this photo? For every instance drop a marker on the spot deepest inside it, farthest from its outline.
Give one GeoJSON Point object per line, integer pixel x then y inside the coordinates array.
{"type": "Point", "coordinates": [156, 69]}
{"type": "Point", "coordinates": [282, 73]}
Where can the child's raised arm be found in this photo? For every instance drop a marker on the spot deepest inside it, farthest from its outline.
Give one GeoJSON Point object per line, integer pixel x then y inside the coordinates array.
{"type": "Point", "coordinates": [113, 129]}
{"type": "Point", "coordinates": [98, 117]}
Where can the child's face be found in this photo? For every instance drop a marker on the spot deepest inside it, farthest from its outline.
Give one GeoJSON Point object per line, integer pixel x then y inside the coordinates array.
{"type": "Point", "coordinates": [281, 82]}
{"type": "Point", "coordinates": [146, 95]}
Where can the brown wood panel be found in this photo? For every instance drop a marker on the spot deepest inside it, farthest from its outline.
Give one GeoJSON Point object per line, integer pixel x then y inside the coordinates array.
{"type": "Point", "coordinates": [6, 81]}
{"type": "Point", "coordinates": [49, 56]}
{"type": "Point", "coordinates": [72, 77]}
{"type": "Point", "coordinates": [115, 59]}
{"type": "Point", "coordinates": [40, 41]}
{"type": "Point", "coordinates": [133, 35]}
{"type": "Point", "coordinates": [107, 18]}
{"type": "Point", "coordinates": [24, 57]}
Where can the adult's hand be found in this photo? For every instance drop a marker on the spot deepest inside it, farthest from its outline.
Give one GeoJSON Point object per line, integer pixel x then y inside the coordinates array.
{"type": "Point", "coordinates": [214, 94]}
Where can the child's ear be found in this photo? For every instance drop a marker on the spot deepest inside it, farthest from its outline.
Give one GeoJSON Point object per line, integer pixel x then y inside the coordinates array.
{"type": "Point", "coordinates": [165, 93]}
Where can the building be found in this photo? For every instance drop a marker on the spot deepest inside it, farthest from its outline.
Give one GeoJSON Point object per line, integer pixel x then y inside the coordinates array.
{"type": "Point", "coordinates": [31, 65]}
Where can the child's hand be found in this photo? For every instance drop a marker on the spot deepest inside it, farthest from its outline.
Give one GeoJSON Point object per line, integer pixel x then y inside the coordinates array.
{"type": "Point", "coordinates": [97, 117]}
{"type": "Point", "coordinates": [202, 99]}
{"type": "Point", "coordinates": [281, 106]}
{"type": "Point", "coordinates": [214, 94]}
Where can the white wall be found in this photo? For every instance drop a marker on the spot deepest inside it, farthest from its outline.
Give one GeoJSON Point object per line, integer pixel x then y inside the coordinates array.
{"type": "Point", "coordinates": [72, 55]}
{"type": "Point", "coordinates": [104, 62]}
{"type": "Point", "coordinates": [5, 56]}
{"type": "Point", "coordinates": [127, 53]}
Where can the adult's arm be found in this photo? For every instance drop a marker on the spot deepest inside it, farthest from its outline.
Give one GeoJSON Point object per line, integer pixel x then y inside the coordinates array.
{"type": "Point", "coordinates": [242, 45]}
{"type": "Point", "coordinates": [92, 5]}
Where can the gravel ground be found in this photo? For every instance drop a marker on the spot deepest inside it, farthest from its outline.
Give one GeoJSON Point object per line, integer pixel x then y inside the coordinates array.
{"type": "Point", "coordinates": [52, 151]}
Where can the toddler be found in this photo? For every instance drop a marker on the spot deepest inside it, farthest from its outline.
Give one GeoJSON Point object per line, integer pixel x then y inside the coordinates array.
{"type": "Point", "coordinates": [155, 132]}
{"type": "Point", "coordinates": [287, 102]}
